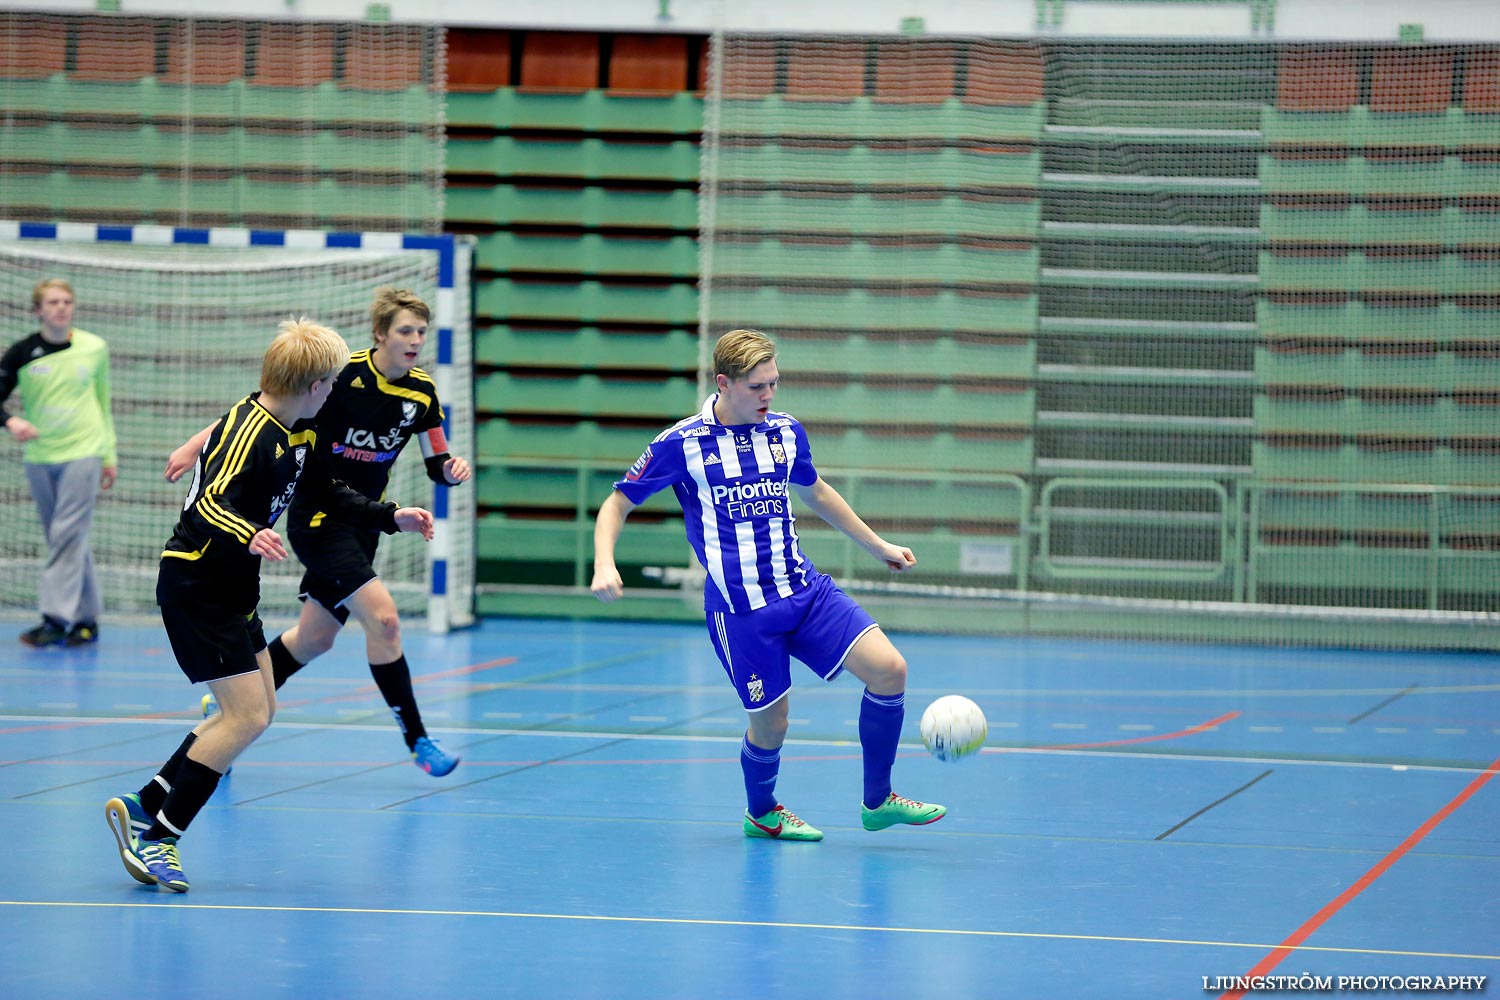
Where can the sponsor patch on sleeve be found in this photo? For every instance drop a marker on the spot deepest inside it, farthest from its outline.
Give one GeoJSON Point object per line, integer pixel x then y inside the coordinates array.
{"type": "Point", "coordinates": [639, 468]}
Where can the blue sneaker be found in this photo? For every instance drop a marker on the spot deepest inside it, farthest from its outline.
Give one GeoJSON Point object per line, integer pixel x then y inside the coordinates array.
{"type": "Point", "coordinates": [140, 820]}
{"type": "Point", "coordinates": [158, 858]}
{"type": "Point", "coordinates": [210, 705]}
{"type": "Point", "coordinates": [432, 758]}
{"type": "Point", "coordinates": [121, 814]}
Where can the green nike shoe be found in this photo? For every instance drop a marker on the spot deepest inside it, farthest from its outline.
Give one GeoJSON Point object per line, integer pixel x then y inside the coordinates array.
{"type": "Point", "coordinates": [896, 810]}
{"type": "Point", "coordinates": [780, 824]}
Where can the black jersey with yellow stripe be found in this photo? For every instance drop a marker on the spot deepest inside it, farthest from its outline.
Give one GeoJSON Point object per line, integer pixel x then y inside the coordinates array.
{"type": "Point", "coordinates": [365, 423]}
{"type": "Point", "coordinates": [250, 469]}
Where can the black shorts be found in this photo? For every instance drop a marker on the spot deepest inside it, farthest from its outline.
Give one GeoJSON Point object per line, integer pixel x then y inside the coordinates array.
{"type": "Point", "coordinates": [212, 643]}
{"type": "Point", "coordinates": [339, 559]}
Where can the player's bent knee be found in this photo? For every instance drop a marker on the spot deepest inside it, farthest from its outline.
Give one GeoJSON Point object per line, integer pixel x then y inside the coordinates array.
{"type": "Point", "coordinates": [248, 725]}
{"type": "Point", "coordinates": [389, 626]}
{"type": "Point", "coordinates": [314, 643]}
{"type": "Point", "coordinates": [888, 675]}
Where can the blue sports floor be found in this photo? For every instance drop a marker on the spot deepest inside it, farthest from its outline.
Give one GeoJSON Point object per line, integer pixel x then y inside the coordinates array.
{"type": "Point", "coordinates": [1146, 815]}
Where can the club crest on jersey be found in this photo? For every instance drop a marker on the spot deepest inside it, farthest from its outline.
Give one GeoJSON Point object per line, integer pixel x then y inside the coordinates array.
{"type": "Point", "coordinates": [639, 467]}
{"type": "Point", "coordinates": [778, 454]}
{"type": "Point", "coordinates": [408, 412]}
{"type": "Point", "coordinates": [756, 688]}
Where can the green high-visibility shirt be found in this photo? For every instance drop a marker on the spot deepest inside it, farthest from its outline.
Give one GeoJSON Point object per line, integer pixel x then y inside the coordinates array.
{"type": "Point", "coordinates": [65, 395]}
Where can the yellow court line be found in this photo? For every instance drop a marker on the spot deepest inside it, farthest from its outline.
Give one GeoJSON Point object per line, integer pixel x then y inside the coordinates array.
{"type": "Point", "coordinates": [762, 924]}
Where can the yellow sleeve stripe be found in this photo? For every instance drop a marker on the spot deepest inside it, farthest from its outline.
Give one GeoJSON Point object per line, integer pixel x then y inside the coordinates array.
{"type": "Point", "coordinates": [228, 436]}
{"type": "Point", "coordinates": [234, 464]}
{"type": "Point", "coordinates": [224, 432]}
{"type": "Point", "coordinates": [395, 390]}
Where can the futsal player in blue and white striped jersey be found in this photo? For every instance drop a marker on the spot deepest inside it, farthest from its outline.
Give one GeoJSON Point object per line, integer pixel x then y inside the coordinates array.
{"type": "Point", "coordinates": [734, 468]}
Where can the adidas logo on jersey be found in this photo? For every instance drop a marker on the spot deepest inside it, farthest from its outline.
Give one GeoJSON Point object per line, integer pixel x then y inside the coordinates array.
{"type": "Point", "coordinates": [279, 451]}
{"type": "Point", "coordinates": [713, 459]}
{"type": "Point", "coordinates": [358, 383]}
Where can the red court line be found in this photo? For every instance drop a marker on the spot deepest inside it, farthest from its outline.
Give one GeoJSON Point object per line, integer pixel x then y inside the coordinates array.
{"type": "Point", "coordinates": [1190, 731]}
{"type": "Point", "coordinates": [1281, 951]}
{"type": "Point", "coordinates": [362, 692]}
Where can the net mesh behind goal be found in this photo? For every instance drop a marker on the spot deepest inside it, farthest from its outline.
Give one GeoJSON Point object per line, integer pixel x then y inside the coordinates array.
{"type": "Point", "coordinates": [216, 122]}
{"type": "Point", "coordinates": [187, 325]}
{"type": "Point", "coordinates": [1194, 325]}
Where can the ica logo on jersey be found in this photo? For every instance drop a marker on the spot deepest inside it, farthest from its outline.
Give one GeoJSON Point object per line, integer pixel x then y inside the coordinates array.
{"type": "Point", "coordinates": [360, 445]}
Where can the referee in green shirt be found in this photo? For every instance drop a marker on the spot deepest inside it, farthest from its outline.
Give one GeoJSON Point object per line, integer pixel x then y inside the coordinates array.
{"type": "Point", "coordinates": [65, 424]}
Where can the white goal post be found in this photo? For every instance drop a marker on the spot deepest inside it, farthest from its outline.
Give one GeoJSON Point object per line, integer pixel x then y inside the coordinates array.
{"type": "Point", "coordinates": [187, 313]}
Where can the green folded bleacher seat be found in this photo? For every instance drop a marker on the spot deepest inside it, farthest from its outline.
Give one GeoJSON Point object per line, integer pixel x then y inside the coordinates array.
{"type": "Point", "coordinates": [587, 395]}
{"type": "Point", "coordinates": [508, 204]}
{"type": "Point", "coordinates": [589, 301]}
{"type": "Point", "coordinates": [586, 347]}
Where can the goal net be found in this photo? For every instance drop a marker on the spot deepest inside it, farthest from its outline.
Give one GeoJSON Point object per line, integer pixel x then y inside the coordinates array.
{"type": "Point", "coordinates": [1187, 338]}
{"type": "Point", "coordinates": [210, 121]}
{"type": "Point", "coordinates": [187, 314]}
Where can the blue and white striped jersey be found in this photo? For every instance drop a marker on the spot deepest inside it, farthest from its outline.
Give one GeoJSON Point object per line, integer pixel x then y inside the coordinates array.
{"type": "Point", "coordinates": [733, 485]}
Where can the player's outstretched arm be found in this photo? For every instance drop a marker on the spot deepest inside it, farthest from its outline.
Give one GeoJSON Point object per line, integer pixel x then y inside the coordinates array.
{"type": "Point", "coordinates": [414, 519]}
{"type": "Point", "coordinates": [827, 503]}
{"type": "Point", "coordinates": [608, 585]}
{"type": "Point", "coordinates": [186, 454]}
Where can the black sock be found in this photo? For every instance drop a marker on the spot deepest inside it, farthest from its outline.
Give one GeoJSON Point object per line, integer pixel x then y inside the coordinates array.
{"type": "Point", "coordinates": [283, 663]}
{"type": "Point", "coordinates": [394, 681]}
{"type": "Point", "coordinates": [191, 791]}
{"type": "Point", "coordinates": [154, 793]}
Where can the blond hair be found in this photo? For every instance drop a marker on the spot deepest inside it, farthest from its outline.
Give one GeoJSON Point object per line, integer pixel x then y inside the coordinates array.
{"type": "Point", "coordinates": [390, 300]}
{"type": "Point", "coordinates": [301, 353]}
{"type": "Point", "coordinates": [41, 290]}
{"type": "Point", "coordinates": [738, 351]}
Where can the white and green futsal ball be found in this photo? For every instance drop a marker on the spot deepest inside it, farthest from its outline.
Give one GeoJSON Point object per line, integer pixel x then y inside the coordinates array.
{"type": "Point", "coordinates": [953, 727]}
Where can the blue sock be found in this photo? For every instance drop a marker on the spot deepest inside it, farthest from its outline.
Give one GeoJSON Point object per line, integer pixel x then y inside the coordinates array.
{"type": "Point", "coordinates": [760, 767]}
{"type": "Point", "coordinates": [880, 718]}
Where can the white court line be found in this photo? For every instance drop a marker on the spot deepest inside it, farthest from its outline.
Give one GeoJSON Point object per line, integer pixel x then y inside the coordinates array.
{"type": "Point", "coordinates": [52, 721]}
{"type": "Point", "coordinates": [782, 925]}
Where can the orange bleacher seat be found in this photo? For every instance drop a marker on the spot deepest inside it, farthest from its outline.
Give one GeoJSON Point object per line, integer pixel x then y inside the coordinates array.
{"type": "Point", "coordinates": [749, 72]}
{"type": "Point", "coordinates": [478, 60]}
{"type": "Point", "coordinates": [115, 50]}
{"type": "Point", "coordinates": [385, 57]}
{"type": "Point", "coordinates": [1411, 80]}
{"type": "Point", "coordinates": [288, 55]}
{"type": "Point", "coordinates": [32, 47]}
{"type": "Point", "coordinates": [553, 60]}
{"type": "Point", "coordinates": [1005, 73]}
{"type": "Point", "coordinates": [208, 52]}
{"type": "Point", "coordinates": [1482, 82]}
{"type": "Point", "coordinates": [648, 64]}
{"type": "Point", "coordinates": [1318, 79]}
{"type": "Point", "coordinates": [920, 72]}
{"type": "Point", "coordinates": [825, 70]}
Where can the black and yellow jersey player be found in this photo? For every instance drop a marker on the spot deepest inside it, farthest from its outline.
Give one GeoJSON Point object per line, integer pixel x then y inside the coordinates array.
{"type": "Point", "coordinates": [380, 401]}
{"type": "Point", "coordinates": [252, 463]}
{"type": "Point", "coordinates": [247, 473]}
